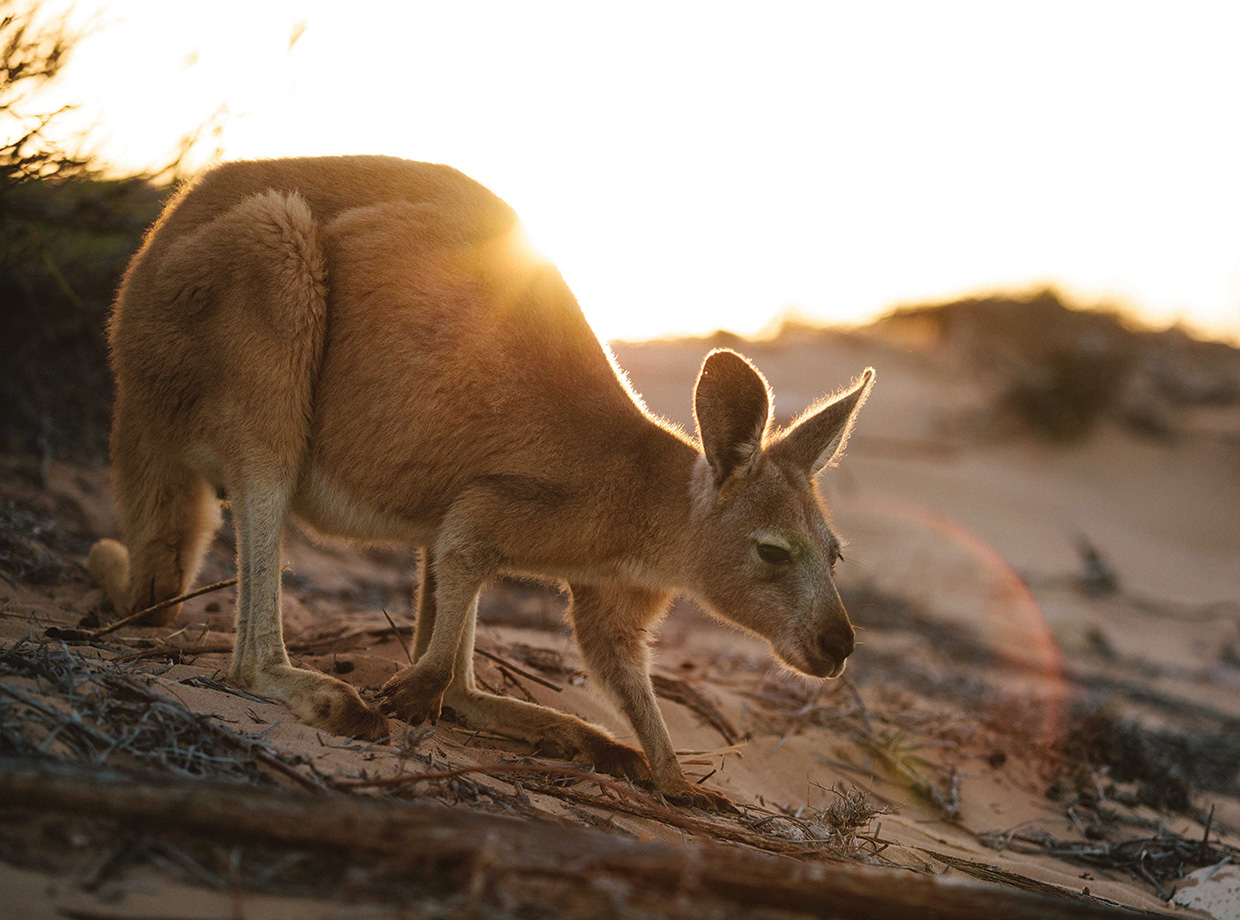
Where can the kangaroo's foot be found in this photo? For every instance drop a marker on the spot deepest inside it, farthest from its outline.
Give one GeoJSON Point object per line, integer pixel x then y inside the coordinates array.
{"type": "Point", "coordinates": [682, 792]}
{"type": "Point", "coordinates": [552, 733]}
{"type": "Point", "coordinates": [318, 700]}
{"type": "Point", "coordinates": [415, 694]}
{"type": "Point", "coordinates": [588, 744]}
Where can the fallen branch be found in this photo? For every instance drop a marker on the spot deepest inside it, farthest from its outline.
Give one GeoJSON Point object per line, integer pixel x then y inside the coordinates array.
{"type": "Point", "coordinates": [499, 857]}
{"type": "Point", "coordinates": [649, 807]}
{"type": "Point", "coordinates": [632, 802]}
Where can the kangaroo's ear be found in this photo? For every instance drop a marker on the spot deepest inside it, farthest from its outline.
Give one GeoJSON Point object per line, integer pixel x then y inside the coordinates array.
{"type": "Point", "coordinates": [816, 440]}
{"type": "Point", "coordinates": [732, 403]}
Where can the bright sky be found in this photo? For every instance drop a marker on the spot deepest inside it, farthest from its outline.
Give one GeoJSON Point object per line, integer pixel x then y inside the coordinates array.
{"type": "Point", "coordinates": [699, 166]}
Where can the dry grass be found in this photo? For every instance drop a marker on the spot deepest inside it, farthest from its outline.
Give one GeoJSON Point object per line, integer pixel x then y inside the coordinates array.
{"type": "Point", "coordinates": [86, 711]}
{"type": "Point", "coordinates": [1156, 855]}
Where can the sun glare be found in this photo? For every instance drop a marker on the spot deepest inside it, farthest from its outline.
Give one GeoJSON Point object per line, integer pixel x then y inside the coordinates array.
{"type": "Point", "coordinates": [591, 258]}
{"type": "Point", "coordinates": [828, 158]}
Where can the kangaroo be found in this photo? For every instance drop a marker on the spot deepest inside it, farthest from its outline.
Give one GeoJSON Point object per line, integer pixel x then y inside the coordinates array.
{"type": "Point", "coordinates": [367, 344]}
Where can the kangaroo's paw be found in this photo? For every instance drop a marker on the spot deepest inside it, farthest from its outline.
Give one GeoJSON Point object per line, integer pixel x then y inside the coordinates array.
{"type": "Point", "coordinates": [683, 792]}
{"type": "Point", "coordinates": [414, 696]}
{"type": "Point", "coordinates": [318, 700]}
{"type": "Point", "coordinates": [585, 743]}
{"type": "Point", "coordinates": [620, 760]}
{"type": "Point", "coordinates": [344, 713]}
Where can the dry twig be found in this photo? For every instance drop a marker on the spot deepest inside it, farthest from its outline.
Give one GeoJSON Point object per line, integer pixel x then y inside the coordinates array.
{"type": "Point", "coordinates": [155, 608]}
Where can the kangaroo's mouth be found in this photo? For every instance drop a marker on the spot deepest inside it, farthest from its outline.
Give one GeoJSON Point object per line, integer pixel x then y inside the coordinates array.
{"type": "Point", "coordinates": [812, 660]}
{"type": "Point", "coordinates": [828, 669]}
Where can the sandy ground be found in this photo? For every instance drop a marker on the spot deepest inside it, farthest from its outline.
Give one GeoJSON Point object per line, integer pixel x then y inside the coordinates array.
{"type": "Point", "coordinates": [979, 642]}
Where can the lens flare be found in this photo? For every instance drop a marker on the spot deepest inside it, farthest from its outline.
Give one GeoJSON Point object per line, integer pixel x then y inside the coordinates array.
{"type": "Point", "coordinates": [1013, 625]}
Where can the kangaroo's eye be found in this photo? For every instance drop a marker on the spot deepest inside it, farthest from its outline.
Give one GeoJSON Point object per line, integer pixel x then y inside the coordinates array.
{"type": "Point", "coordinates": [775, 555]}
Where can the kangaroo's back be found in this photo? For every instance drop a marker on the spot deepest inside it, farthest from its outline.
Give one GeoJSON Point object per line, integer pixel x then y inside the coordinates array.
{"type": "Point", "coordinates": [454, 359]}
{"type": "Point", "coordinates": [332, 185]}
{"type": "Point", "coordinates": [450, 350]}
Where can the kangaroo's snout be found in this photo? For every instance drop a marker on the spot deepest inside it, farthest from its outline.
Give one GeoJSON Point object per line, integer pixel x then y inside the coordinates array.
{"type": "Point", "coordinates": [821, 653]}
{"type": "Point", "coordinates": [836, 644]}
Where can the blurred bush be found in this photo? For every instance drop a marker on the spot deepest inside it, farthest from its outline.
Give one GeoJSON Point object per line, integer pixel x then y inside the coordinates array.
{"type": "Point", "coordinates": [66, 235]}
{"type": "Point", "coordinates": [1059, 370]}
{"type": "Point", "coordinates": [64, 245]}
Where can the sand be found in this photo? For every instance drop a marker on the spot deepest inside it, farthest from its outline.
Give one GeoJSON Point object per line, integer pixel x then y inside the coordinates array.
{"type": "Point", "coordinates": [962, 570]}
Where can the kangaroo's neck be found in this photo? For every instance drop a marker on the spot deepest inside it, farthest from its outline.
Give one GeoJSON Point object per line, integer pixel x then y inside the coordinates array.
{"type": "Point", "coordinates": [655, 507]}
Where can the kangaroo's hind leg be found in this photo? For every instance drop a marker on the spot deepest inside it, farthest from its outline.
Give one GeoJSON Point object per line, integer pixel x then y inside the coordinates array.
{"type": "Point", "coordinates": [260, 661]}
{"type": "Point", "coordinates": [217, 344]}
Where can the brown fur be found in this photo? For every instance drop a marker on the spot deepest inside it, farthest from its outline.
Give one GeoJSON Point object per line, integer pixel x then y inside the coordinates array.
{"type": "Point", "coordinates": [365, 343]}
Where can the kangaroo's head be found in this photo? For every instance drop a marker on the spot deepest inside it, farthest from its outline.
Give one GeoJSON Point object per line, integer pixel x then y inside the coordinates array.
{"type": "Point", "coordinates": [765, 553]}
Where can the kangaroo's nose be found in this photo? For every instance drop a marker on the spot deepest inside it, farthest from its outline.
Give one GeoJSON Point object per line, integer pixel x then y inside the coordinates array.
{"type": "Point", "coordinates": [838, 643]}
